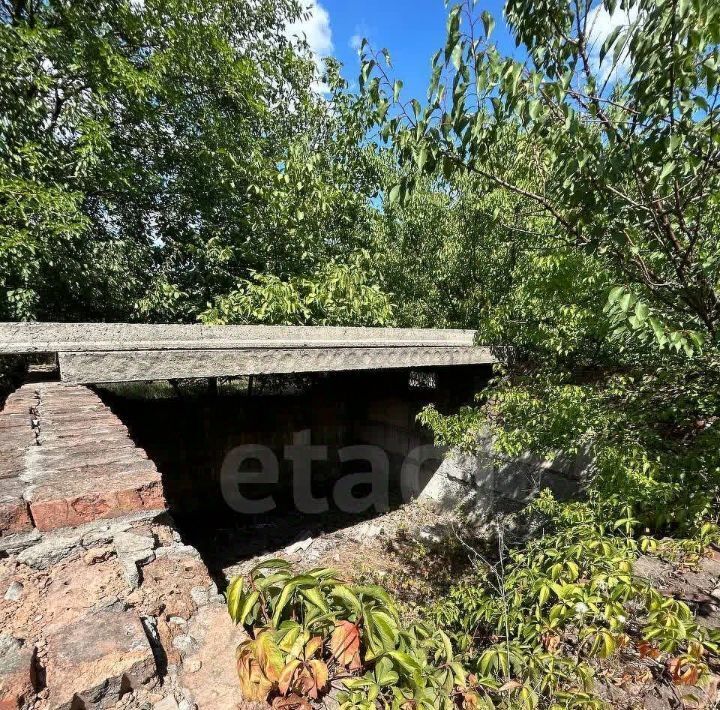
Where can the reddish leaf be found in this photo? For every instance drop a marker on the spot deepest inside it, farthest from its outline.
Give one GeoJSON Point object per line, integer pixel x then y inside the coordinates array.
{"type": "Point", "coordinates": [285, 681]}
{"type": "Point", "coordinates": [646, 649]}
{"type": "Point", "coordinates": [683, 674]}
{"type": "Point", "coordinates": [315, 679]}
{"type": "Point", "coordinates": [345, 645]}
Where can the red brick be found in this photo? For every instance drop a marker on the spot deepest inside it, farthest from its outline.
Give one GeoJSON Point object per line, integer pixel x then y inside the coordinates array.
{"type": "Point", "coordinates": [14, 514]}
{"type": "Point", "coordinates": [13, 422]}
{"type": "Point", "coordinates": [68, 502]}
{"type": "Point", "coordinates": [110, 456]}
{"type": "Point", "coordinates": [84, 445]}
{"type": "Point", "coordinates": [71, 410]}
{"type": "Point", "coordinates": [52, 433]}
{"type": "Point", "coordinates": [16, 439]}
{"type": "Point", "coordinates": [11, 465]}
{"type": "Point", "coordinates": [85, 450]}
{"type": "Point", "coordinates": [85, 467]}
{"type": "Point", "coordinates": [83, 418]}
{"type": "Point", "coordinates": [19, 406]}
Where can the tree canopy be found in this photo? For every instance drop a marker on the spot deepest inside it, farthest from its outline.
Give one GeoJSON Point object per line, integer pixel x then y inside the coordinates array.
{"type": "Point", "coordinates": [155, 154]}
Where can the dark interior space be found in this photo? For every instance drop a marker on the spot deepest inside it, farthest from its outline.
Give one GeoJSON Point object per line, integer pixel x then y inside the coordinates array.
{"type": "Point", "coordinates": [188, 428]}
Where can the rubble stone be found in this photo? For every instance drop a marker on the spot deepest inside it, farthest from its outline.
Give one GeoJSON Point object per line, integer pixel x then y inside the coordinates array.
{"type": "Point", "coordinates": [50, 551]}
{"type": "Point", "coordinates": [17, 676]}
{"type": "Point", "coordinates": [14, 513]}
{"type": "Point", "coordinates": [14, 592]}
{"type": "Point", "coordinates": [97, 658]}
{"type": "Point", "coordinates": [210, 672]}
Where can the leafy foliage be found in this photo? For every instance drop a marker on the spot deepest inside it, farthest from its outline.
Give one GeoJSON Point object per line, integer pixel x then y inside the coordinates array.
{"type": "Point", "coordinates": [524, 631]}
{"type": "Point", "coordinates": [312, 631]}
{"type": "Point", "coordinates": [337, 294]}
{"type": "Point", "coordinates": [589, 176]}
{"type": "Point", "coordinates": [155, 154]}
{"type": "Point", "coordinates": [623, 136]}
{"type": "Point", "coordinates": [531, 624]}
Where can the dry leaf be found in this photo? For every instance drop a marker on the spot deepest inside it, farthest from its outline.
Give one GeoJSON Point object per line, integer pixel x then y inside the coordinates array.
{"type": "Point", "coordinates": [292, 702]}
{"type": "Point", "coordinates": [285, 681]}
{"type": "Point", "coordinates": [345, 645]}
{"type": "Point", "coordinates": [551, 642]}
{"type": "Point", "coordinates": [646, 649]}
{"type": "Point", "coordinates": [254, 685]}
{"type": "Point", "coordinates": [510, 686]}
{"type": "Point", "coordinates": [687, 674]}
{"type": "Point", "coordinates": [471, 700]}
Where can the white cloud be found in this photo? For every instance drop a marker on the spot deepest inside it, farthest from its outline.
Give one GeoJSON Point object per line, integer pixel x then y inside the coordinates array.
{"type": "Point", "coordinates": [362, 31]}
{"type": "Point", "coordinates": [315, 30]}
{"type": "Point", "coordinates": [601, 24]}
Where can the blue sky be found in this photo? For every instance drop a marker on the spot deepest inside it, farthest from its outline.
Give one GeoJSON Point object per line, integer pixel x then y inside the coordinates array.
{"type": "Point", "coordinates": [413, 30]}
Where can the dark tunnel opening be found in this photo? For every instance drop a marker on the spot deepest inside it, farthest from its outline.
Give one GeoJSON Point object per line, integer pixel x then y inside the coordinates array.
{"type": "Point", "coordinates": [252, 465]}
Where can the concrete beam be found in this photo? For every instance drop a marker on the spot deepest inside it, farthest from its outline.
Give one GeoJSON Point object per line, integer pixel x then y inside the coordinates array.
{"type": "Point", "coordinates": [100, 352]}
{"type": "Point", "coordinates": [20, 338]}
{"type": "Point", "coordinates": [93, 367]}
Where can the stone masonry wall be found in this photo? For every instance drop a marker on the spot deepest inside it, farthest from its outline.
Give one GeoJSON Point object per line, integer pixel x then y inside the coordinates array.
{"type": "Point", "coordinates": [65, 460]}
{"type": "Point", "coordinates": [102, 605]}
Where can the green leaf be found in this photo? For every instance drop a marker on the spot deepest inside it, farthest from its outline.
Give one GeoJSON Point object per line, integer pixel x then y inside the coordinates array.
{"type": "Point", "coordinates": [457, 55]}
{"type": "Point", "coordinates": [385, 628]}
{"type": "Point", "coordinates": [616, 293]}
{"type": "Point", "coordinates": [488, 23]}
{"type": "Point", "coordinates": [406, 662]}
{"type": "Point", "coordinates": [282, 601]}
{"type": "Point", "coordinates": [666, 170]}
{"type": "Point", "coordinates": [234, 597]}
{"type": "Point", "coordinates": [395, 194]}
{"type": "Point", "coordinates": [343, 593]}
{"type": "Point", "coordinates": [641, 312]}
{"type": "Point", "coordinates": [247, 607]}
{"type": "Point", "coordinates": [269, 564]}
{"type": "Point", "coordinates": [626, 301]}
{"type": "Point", "coordinates": [314, 596]}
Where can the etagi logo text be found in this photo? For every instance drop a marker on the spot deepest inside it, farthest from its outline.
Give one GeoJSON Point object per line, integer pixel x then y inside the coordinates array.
{"type": "Point", "coordinates": [301, 454]}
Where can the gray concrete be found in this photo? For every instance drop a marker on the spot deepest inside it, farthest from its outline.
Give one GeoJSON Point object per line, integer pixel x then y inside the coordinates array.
{"type": "Point", "coordinates": [484, 484]}
{"type": "Point", "coordinates": [101, 352]}
{"type": "Point", "coordinates": [22, 338]}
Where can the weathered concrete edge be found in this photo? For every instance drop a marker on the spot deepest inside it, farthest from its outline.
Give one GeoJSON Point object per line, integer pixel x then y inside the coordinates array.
{"type": "Point", "coordinates": [99, 367]}
{"type": "Point", "coordinates": [19, 338]}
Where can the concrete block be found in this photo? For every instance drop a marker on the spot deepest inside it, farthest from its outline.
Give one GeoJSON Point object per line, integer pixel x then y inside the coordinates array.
{"type": "Point", "coordinates": [444, 493]}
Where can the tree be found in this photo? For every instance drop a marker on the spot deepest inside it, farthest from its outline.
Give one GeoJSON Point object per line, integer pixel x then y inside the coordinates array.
{"type": "Point", "coordinates": [154, 154]}
{"type": "Point", "coordinates": [623, 131]}
{"type": "Point", "coordinates": [589, 175]}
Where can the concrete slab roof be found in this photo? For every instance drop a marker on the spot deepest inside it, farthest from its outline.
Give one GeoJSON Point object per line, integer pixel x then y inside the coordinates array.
{"type": "Point", "coordinates": [118, 352]}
